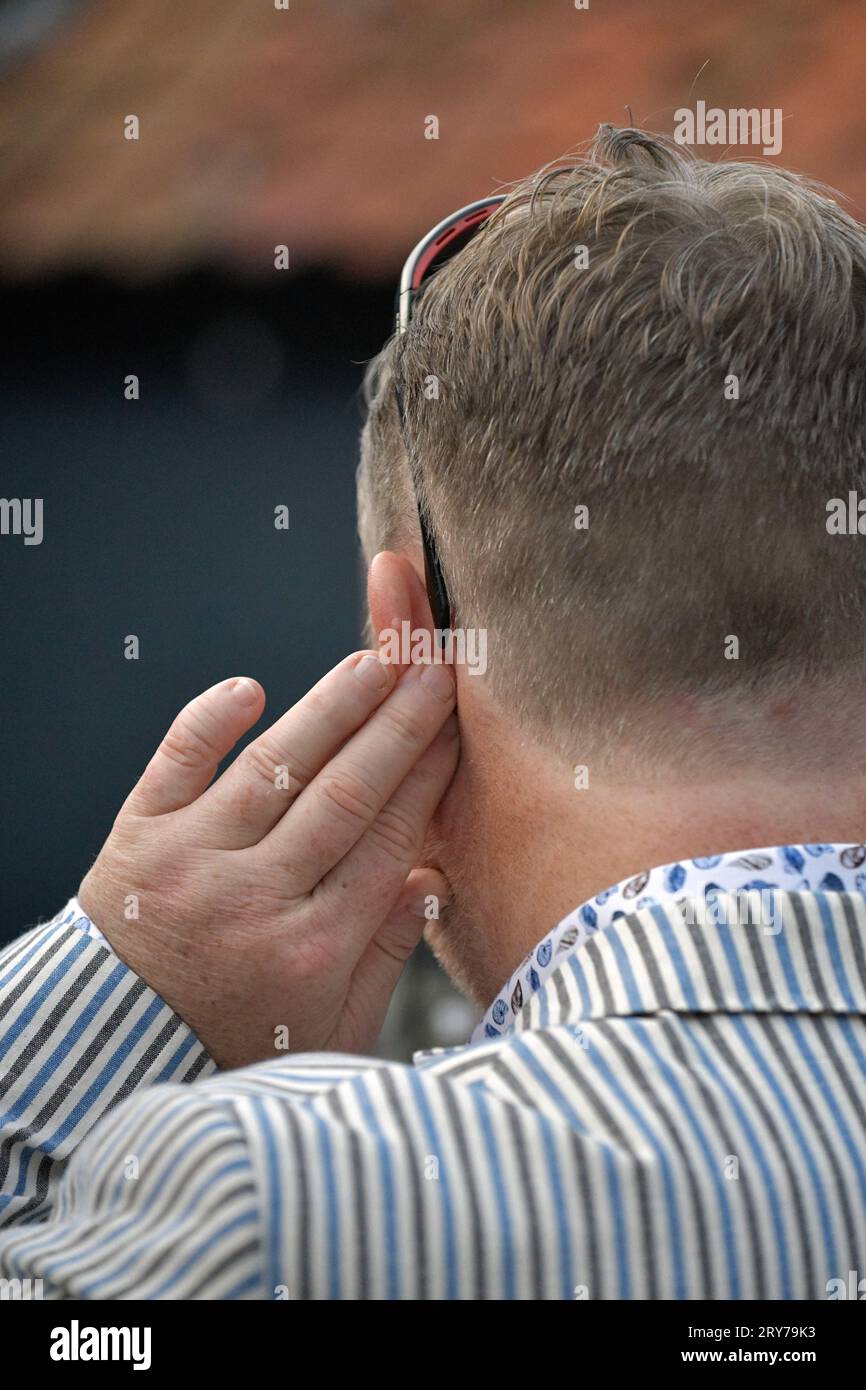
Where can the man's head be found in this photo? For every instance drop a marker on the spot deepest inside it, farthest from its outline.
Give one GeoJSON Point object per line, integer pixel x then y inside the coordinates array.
{"type": "Point", "coordinates": [630, 399]}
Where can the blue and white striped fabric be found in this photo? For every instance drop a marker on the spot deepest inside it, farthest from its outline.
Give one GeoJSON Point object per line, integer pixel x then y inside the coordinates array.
{"type": "Point", "coordinates": [679, 1111]}
{"type": "Point", "coordinates": [830, 868]}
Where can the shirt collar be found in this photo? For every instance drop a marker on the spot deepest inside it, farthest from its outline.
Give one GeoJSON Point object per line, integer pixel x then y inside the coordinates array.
{"type": "Point", "coordinates": [646, 954]}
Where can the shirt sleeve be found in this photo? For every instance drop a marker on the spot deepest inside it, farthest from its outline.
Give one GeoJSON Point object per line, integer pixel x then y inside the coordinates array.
{"type": "Point", "coordinates": [305, 1177]}
{"type": "Point", "coordinates": [79, 1033]}
{"type": "Point", "coordinates": [313, 1177]}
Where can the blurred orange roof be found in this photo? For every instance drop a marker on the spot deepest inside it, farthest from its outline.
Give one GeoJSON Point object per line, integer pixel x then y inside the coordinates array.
{"type": "Point", "coordinates": [306, 126]}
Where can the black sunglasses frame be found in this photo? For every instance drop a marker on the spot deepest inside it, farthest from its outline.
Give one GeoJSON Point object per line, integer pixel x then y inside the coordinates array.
{"type": "Point", "coordinates": [446, 238]}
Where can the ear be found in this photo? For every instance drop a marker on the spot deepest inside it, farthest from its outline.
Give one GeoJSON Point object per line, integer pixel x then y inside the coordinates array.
{"type": "Point", "coordinates": [396, 594]}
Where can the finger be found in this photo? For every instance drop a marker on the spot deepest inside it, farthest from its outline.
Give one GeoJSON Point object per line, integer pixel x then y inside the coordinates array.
{"type": "Point", "coordinates": [365, 886]}
{"type": "Point", "coordinates": [423, 898]}
{"type": "Point", "coordinates": [200, 737]}
{"type": "Point", "coordinates": [375, 977]}
{"type": "Point", "coordinates": [273, 770]}
{"type": "Point", "coordinates": [344, 800]}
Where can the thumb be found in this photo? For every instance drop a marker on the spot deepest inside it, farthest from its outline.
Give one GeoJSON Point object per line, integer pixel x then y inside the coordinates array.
{"type": "Point", "coordinates": [200, 737]}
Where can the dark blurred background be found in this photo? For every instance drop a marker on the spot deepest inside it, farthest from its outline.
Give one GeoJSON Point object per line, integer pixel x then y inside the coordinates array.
{"type": "Point", "coordinates": [262, 126]}
{"type": "Point", "coordinates": [159, 522]}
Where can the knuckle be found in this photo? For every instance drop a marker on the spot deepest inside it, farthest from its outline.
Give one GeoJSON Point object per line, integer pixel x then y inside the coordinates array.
{"type": "Point", "coordinates": [395, 834]}
{"type": "Point", "coordinates": [188, 745]}
{"type": "Point", "coordinates": [349, 793]}
{"type": "Point", "coordinates": [264, 760]}
{"type": "Point", "coordinates": [405, 728]}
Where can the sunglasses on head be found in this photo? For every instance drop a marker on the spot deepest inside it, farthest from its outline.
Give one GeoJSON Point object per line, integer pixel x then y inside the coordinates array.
{"type": "Point", "coordinates": [432, 251]}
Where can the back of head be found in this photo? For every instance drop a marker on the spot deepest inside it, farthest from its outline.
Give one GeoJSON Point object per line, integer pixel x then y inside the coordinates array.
{"type": "Point", "coordinates": [676, 347]}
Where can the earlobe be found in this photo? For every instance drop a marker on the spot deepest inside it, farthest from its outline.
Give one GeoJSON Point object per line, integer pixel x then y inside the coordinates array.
{"type": "Point", "coordinates": [396, 595]}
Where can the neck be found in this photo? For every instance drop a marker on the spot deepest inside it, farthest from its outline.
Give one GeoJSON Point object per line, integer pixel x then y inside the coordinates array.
{"type": "Point", "coordinates": [531, 846]}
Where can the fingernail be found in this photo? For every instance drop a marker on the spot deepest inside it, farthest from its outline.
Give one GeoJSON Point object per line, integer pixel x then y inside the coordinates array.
{"type": "Point", "coordinates": [245, 691]}
{"type": "Point", "coordinates": [372, 672]}
{"type": "Point", "coordinates": [439, 681]}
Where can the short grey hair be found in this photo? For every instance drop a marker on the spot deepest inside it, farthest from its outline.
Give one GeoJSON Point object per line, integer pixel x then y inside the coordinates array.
{"type": "Point", "coordinates": [611, 387]}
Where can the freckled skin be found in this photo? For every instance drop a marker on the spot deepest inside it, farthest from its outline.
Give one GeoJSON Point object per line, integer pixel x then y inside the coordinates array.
{"type": "Point", "coordinates": [687, 776]}
{"type": "Point", "coordinates": [521, 847]}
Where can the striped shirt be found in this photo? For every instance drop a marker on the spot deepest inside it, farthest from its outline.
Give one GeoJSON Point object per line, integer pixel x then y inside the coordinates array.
{"type": "Point", "coordinates": [678, 1111]}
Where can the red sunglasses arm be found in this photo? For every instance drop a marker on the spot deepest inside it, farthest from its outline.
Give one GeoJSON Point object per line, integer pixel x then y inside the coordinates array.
{"type": "Point", "coordinates": [431, 247]}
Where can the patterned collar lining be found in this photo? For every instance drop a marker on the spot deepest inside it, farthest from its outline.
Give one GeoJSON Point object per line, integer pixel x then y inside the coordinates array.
{"type": "Point", "coordinates": [828, 868]}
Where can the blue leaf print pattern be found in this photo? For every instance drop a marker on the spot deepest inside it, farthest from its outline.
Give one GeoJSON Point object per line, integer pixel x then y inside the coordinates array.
{"type": "Point", "coordinates": [793, 859]}
{"type": "Point", "coordinates": [831, 883]}
{"type": "Point", "coordinates": [788, 868]}
{"type": "Point", "coordinates": [675, 878]}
